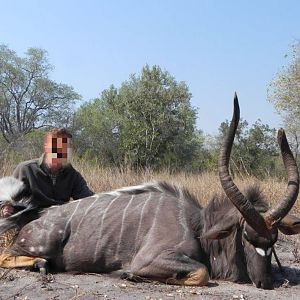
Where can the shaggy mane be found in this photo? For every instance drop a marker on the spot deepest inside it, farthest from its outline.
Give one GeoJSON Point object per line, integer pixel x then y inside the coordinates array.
{"type": "Point", "coordinates": [253, 193]}
{"type": "Point", "coordinates": [159, 187]}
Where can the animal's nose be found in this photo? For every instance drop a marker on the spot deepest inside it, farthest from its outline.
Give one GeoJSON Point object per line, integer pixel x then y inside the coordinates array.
{"type": "Point", "coordinates": [266, 285]}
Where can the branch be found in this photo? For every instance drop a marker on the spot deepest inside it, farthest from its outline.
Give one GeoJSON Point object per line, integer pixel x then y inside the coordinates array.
{"type": "Point", "coordinates": [27, 87]}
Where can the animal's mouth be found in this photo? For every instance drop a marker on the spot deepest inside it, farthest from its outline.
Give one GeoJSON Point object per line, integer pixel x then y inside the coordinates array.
{"type": "Point", "coordinates": [267, 285]}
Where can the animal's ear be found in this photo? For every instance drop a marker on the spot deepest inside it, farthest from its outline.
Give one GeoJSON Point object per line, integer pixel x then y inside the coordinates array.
{"type": "Point", "coordinates": [222, 229]}
{"type": "Point", "coordinates": [289, 225]}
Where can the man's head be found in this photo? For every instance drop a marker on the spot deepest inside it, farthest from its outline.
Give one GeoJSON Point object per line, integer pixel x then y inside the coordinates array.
{"type": "Point", "coordinates": [57, 148]}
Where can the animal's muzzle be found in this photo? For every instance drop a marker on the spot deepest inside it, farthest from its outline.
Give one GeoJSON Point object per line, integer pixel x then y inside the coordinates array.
{"type": "Point", "coordinates": [266, 284]}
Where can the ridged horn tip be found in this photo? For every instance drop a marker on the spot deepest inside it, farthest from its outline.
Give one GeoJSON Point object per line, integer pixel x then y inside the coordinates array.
{"type": "Point", "coordinates": [235, 96]}
{"type": "Point", "coordinates": [236, 107]}
{"type": "Point", "coordinates": [273, 216]}
{"type": "Point", "coordinates": [281, 137]}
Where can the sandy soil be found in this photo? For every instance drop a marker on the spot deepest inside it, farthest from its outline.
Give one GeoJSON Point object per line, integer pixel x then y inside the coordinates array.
{"type": "Point", "coordinates": [23, 284]}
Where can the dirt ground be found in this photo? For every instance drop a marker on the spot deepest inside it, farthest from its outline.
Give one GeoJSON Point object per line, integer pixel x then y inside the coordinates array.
{"type": "Point", "coordinates": [23, 284]}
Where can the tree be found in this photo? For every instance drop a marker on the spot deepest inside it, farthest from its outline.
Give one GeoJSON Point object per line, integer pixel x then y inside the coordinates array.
{"type": "Point", "coordinates": [284, 93]}
{"type": "Point", "coordinates": [149, 117]}
{"type": "Point", "coordinates": [95, 131]}
{"type": "Point", "coordinates": [28, 98]}
{"type": "Point", "coordinates": [255, 151]}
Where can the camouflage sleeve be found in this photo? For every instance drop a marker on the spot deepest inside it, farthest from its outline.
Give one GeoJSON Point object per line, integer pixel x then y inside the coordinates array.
{"type": "Point", "coordinates": [81, 189]}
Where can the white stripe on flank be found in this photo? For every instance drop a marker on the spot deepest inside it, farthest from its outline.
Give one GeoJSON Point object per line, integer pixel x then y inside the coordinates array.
{"type": "Point", "coordinates": [182, 217]}
{"type": "Point", "coordinates": [140, 223]}
{"type": "Point", "coordinates": [154, 219]}
{"type": "Point", "coordinates": [101, 225]}
{"type": "Point", "coordinates": [87, 210]}
{"type": "Point", "coordinates": [122, 225]}
{"type": "Point", "coordinates": [68, 222]}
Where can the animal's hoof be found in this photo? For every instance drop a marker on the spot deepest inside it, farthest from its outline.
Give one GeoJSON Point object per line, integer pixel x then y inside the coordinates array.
{"type": "Point", "coordinates": [125, 275]}
{"type": "Point", "coordinates": [41, 265]}
{"type": "Point", "coordinates": [43, 271]}
{"type": "Point", "coordinates": [134, 278]}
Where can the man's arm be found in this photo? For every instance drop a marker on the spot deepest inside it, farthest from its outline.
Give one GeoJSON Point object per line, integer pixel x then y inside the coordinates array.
{"type": "Point", "coordinates": [17, 173]}
{"type": "Point", "coordinates": [80, 188]}
{"type": "Point", "coordinates": [21, 174]}
{"type": "Point", "coordinates": [38, 198]}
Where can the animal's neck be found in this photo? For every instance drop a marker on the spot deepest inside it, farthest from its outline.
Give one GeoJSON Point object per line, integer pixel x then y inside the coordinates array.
{"type": "Point", "coordinates": [227, 259]}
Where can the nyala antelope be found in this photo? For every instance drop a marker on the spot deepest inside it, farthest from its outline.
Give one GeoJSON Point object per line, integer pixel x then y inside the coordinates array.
{"type": "Point", "coordinates": [158, 231]}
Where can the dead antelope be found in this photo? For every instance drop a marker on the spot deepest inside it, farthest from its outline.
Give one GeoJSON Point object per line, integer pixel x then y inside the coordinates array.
{"type": "Point", "coordinates": [161, 232]}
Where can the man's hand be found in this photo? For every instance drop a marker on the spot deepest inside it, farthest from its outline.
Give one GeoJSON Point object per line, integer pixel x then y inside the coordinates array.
{"type": "Point", "coordinates": [6, 210]}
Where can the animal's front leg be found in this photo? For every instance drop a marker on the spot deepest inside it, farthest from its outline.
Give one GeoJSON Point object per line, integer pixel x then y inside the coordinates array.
{"type": "Point", "coordinates": [172, 268]}
{"type": "Point", "coordinates": [41, 265]}
{"type": "Point", "coordinates": [132, 277]}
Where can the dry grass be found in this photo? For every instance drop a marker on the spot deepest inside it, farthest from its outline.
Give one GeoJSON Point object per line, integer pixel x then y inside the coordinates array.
{"type": "Point", "coordinates": [203, 186]}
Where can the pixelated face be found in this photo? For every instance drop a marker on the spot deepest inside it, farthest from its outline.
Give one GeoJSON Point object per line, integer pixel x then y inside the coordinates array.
{"type": "Point", "coordinates": [58, 151]}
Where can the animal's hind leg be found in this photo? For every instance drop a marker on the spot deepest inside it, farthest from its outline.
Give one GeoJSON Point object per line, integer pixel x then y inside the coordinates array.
{"type": "Point", "coordinates": [9, 261]}
{"type": "Point", "coordinates": [171, 268]}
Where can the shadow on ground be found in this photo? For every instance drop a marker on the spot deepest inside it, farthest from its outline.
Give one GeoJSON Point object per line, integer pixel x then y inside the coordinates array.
{"type": "Point", "coordinates": [23, 284]}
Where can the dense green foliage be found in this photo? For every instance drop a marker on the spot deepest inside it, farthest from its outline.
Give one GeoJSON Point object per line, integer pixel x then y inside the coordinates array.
{"type": "Point", "coordinates": [284, 93]}
{"type": "Point", "coordinates": [255, 151]}
{"type": "Point", "coordinates": [28, 98]}
{"type": "Point", "coordinates": [148, 122]}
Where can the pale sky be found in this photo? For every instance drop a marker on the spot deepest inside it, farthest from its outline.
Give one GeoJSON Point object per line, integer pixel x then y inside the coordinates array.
{"type": "Point", "coordinates": [216, 47]}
